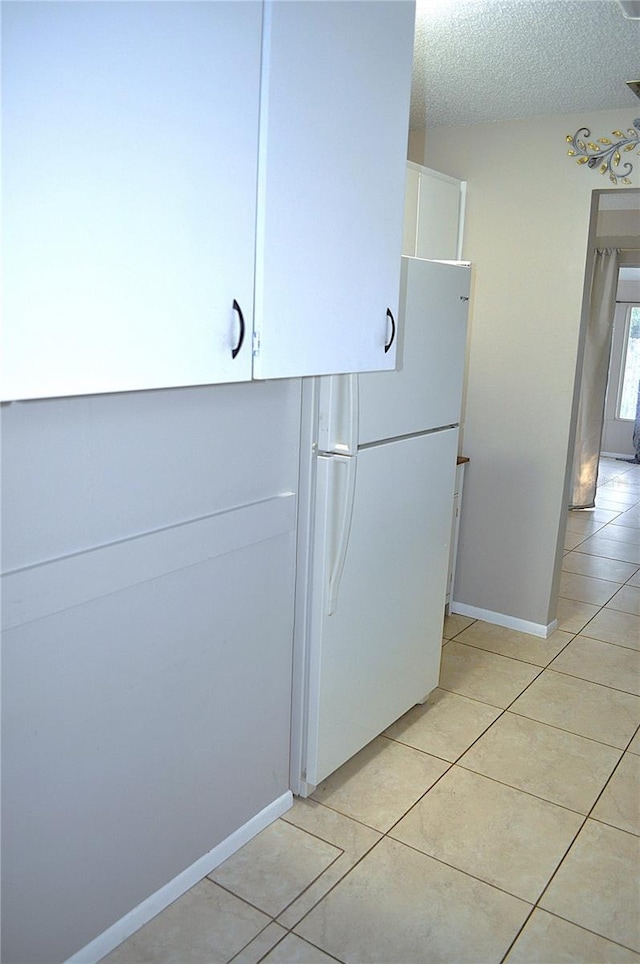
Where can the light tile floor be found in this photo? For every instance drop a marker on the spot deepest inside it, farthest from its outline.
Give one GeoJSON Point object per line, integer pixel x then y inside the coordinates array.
{"type": "Point", "coordinates": [498, 822]}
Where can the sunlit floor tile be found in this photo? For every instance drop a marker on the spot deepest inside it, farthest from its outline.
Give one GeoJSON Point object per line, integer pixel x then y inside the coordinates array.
{"type": "Point", "coordinates": [599, 514]}
{"type": "Point", "coordinates": [546, 938]}
{"type": "Point", "coordinates": [553, 764]}
{"type": "Point", "coordinates": [586, 588]}
{"type": "Point", "coordinates": [399, 905]}
{"type": "Point", "coordinates": [295, 950]}
{"type": "Point", "coordinates": [580, 706]}
{"type": "Point", "coordinates": [626, 600]}
{"type": "Point", "coordinates": [205, 924]}
{"type": "Point", "coordinates": [599, 545]}
{"type": "Point", "coordinates": [622, 521]}
{"type": "Point", "coordinates": [572, 540]}
{"type": "Point", "coordinates": [625, 482]}
{"type": "Point", "coordinates": [609, 467]}
{"type": "Point", "coordinates": [454, 624]}
{"type": "Point", "coordinates": [496, 833]}
{"type": "Point", "coordinates": [254, 952]}
{"type": "Point", "coordinates": [621, 533]}
{"type": "Point", "coordinates": [600, 662]}
{"type": "Point", "coordinates": [613, 626]}
{"type": "Point", "coordinates": [445, 726]}
{"type": "Point", "coordinates": [352, 837]}
{"type": "Point", "coordinates": [630, 517]}
{"type": "Point", "coordinates": [573, 616]}
{"type": "Point", "coordinates": [517, 645]}
{"type": "Point", "coordinates": [619, 804]}
{"type": "Point", "coordinates": [622, 495]}
{"type": "Point", "coordinates": [348, 835]}
{"type": "Point", "coordinates": [484, 676]}
{"type": "Point", "coordinates": [635, 579]}
{"type": "Point", "coordinates": [634, 746]}
{"type": "Point", "coordinates": [612, 504]}
{"type": "Point", "coordinates": [598, 567]}
{"type": "Point", "coordinates": [275, 867]}
{"type": "Point", "coordinates": [379, 784]}
{"type": "Point", "coordinates": [597, 884]}
{"type": "Point", "coordinates": [582, 525]}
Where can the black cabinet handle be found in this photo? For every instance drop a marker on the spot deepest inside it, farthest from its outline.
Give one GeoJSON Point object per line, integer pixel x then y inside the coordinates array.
{"type": "Point", "coordinates": [236, 307]}
{"type": "Point", "coordinates": [393, 331]}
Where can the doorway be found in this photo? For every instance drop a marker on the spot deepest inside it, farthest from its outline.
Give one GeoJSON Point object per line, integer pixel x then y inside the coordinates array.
{"type": "Point", "coordinates": [614, 244]}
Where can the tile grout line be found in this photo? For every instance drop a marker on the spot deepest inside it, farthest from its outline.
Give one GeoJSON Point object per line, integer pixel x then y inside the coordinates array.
{"type": "Point", "coordinates": [584, 822]}
{"type": "Point", "coordinates": [616, 689]}
{"type": "Point", "coordinates": [564, 856]}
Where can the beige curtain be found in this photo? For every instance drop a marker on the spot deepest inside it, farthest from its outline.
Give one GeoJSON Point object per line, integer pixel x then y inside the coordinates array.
{"type": "Point", "coordinates": [595, 370]}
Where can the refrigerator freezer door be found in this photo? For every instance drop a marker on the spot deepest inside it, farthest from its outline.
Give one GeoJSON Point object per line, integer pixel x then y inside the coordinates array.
{"type": "Point", "coordinates": [427, 390]}
{"type": "Point", "coordinates": [375, 639]}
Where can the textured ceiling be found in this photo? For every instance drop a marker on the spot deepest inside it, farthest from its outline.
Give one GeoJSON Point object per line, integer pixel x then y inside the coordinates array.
{"type": "Point", "coordinates": [478, 61]}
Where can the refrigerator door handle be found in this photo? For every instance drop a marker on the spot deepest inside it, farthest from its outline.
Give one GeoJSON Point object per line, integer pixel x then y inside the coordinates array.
{"type": "Point", "coordinates": [354, 414]}
{"type": "Point", "coordinates": [238, 310]}
{"type": "Point", "coordinates": [338, 414]}
{"type": "Point", "coordinates": [346, 467]}
{"type": "Point", "coordinates": [393, 331]}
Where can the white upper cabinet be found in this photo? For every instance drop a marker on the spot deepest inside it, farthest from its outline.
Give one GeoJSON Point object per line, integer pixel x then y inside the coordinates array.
{"type": "Point", "coordinates": [131, 165]}
{"type": "Point", "coordinates": [434, 214]}
{"type": "Point", "coordinates": [333, 159]}
{"type": "Point", "coordinates": [129, 170]}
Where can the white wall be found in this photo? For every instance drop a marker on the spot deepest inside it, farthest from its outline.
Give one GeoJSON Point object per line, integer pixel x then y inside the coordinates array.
{"type": "Point", "coordinates": [528, 212]}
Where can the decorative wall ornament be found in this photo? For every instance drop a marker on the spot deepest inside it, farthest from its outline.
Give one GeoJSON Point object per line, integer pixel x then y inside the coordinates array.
{"type": "Point", "coordinates": [604, 153]}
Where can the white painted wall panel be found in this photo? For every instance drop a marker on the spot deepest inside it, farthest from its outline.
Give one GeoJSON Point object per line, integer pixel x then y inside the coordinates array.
{"type": "Point", "coordinates": [82, 472]}
{"type": "Point", "coordinates": [139, 730]}
{"type": "Point", "coordinates": [150, 720]}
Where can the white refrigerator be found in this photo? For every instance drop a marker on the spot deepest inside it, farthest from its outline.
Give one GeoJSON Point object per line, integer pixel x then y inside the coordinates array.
{"type": "Point", "coordinates": [376, 502]}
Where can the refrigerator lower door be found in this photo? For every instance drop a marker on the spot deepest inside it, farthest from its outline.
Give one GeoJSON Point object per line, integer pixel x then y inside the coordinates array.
{"type": "Point", "coordinates": [374, 636]}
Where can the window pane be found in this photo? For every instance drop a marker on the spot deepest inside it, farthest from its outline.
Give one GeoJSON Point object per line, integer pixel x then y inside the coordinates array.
{"type": "Point", "coordinates": [631, 373]}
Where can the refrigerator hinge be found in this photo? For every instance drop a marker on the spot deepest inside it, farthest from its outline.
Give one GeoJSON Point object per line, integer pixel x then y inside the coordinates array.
{"type": "Point", "coordinates": [256, 343]}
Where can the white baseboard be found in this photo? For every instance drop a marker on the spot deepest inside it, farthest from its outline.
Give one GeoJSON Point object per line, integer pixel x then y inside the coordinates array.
{"type": "Point", "coordinates": [149, 908]}
{"type": "Point", "coordinates": [617, 455]}
{"type": "Point", "coordinates": [501, 619]}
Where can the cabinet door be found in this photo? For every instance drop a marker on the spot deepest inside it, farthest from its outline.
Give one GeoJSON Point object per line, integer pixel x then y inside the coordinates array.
{"type": "Point", "coordinates": [129, 169]}
{"type": "Point", "coordinates": [336, 91]}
